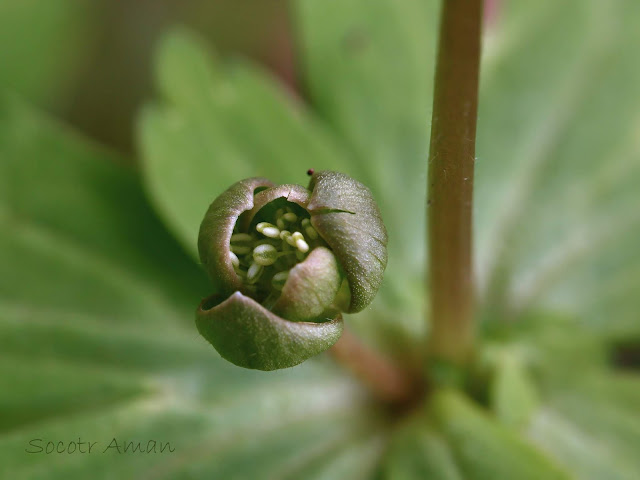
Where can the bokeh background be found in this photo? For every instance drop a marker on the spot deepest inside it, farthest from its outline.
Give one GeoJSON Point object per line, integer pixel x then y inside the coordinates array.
{"type": "Point", "coordinates": [119, 123]}
{"type": "Point", "coordinates": [90, 63]}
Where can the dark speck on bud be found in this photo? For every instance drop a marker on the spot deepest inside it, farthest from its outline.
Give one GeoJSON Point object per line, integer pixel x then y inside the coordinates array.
{"type": "Point", "coordinates": [285, 262]}
{"type": "Point", "coordinates": [310, 171]}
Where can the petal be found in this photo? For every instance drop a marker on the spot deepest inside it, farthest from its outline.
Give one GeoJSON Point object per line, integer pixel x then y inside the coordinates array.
{"type": "Point", "coordinates": [311, 287]}
{"type": "Point", "coordinates": [216, 230]}
{"type": "Point", "coordinates": [250, 336]}
{"type": "Point", "coordinates": [345, 214]}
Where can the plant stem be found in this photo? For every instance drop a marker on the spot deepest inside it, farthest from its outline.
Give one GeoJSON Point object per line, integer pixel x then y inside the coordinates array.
{"type": "Point", "coordinates": [451, 162]}
{"type": "Point", "coordinates": [388, 382]}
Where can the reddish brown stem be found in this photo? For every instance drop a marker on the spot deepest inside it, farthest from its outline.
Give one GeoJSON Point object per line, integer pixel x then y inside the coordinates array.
{"type": "Point", "coordinates": [388, 382]}
{"type": "Point", "coordinates": [450, 192]}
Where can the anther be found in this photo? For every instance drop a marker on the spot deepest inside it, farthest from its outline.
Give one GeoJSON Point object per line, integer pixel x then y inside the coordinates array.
{"type": "Point", "coordinates": [268, 230]}
{"type": "Point", "coordinates": [235, 261]}
{"type": "Point", "coordinates": [265, 255]}
{"type": "Point", "coordinates": [240, 249]}
{"type": "Point", "coordinates": [241, 237]}
{"type": "Point", "coordinates": [286, 236]}
{"type": "Point", "coordinates": [309, 230]}
{"type": "Point", "coordinates": [290, 217]}
{"type": "Point", "coordinates": [238, 243]}
{"type": "Point", "coordinates": [299, 242]}
{"type": "Point", "coordinates": [279, 279]}
{"type": "Point", "coordinates": [254, 272]}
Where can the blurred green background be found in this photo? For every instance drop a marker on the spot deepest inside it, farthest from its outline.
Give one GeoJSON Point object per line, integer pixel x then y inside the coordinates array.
{"type": "Point", "coordinates": [90, 62]}
{"type": "Point", "coordinates": [121, 121]}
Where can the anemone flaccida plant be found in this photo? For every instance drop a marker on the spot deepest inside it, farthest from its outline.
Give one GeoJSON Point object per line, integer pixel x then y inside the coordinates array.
{"type": "Point", "coordinates": [288, 261]}
{"type": "Point", "coordinates": [388, 294]}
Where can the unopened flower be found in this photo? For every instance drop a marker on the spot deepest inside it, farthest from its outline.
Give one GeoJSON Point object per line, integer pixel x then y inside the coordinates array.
{"type": "Point", "coordinates": [286, 261]}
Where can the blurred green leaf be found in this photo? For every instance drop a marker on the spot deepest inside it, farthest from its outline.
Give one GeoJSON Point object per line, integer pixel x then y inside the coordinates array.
{"type": "Point", "coordinates": [219, 123]}
{"type": "Point", "coordinates": [419, 451]}
{"type": "Point", "coordinates": [592, 426]}
{"type": "Point", "coordinates": [457, 440]}
{"type": "Point", "coordinates": [368, 66]}
{"type": "Point", "coordinates": [227, 120]}
{"type": "Point", "coordinates": [96, 311]}
{"type": "Point", "coordinates": [557, 216]}
{"type": "Point", "coordinates": [98, 342]}
{"type": "Point", "coordinates": [484, 449]}
{"type": "Point", "coordinates": [224, 121]}
{"type": "Point", "coordinates": [42, 45]}
{"type": "Point", "coordinates": [514, 397]}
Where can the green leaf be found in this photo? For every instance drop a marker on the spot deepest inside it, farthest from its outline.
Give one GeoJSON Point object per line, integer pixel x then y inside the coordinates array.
{"type": "Point", "coordinates": [592, 426]}
{"type": "Point", "coordinates": [453, 439]}
{"type": "Point", "coordinates": [369, 69]}
{"type": "Point", "coordinates": [514, 396]}
{"type": "Point", "coordinates": [222, 121]}
{"type": "Point", "coordinates": [483, 449]}
{"type": "Point", "coordinates": [219, 123]}
{"type": "Point", "coordinates": [71, 217]}
{"type": "Point", "coordinates": [96, 311]}
{"type": "Point", "coordinates": [556, 180]}
{"type": "Point", "coordinates": [42, 45]}
{"type": "Point", "coordinates": [419, 451]}
{"type": "Point", "coordinates": [98, 342]}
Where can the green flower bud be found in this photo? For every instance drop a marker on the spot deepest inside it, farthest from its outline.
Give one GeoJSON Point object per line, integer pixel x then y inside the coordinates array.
{"type": "Point", "coordinates": [285, 262]}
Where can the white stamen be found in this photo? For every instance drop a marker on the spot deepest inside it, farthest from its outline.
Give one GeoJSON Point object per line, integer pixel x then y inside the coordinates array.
{"type": "Point", "coordinates": [290, 217]}
{"type": "Point", "coordinates": [268, 230]}
{"type": "Point", "coordinates": [279, 279]}
{"type": "Point", "coordinates": [309, 230]}
{"type": "Point", "coordinates": [241, 237]}
{"type": "Point", "coordinates": [288, 237]}
{"type": "Point", "coordinates": [239, 249]}
{"type": "Point", "coordinates": [311, 233]}
{"type": "Point", "coordinates": [235, 261]}
{"type": "Point", "coordinates": [265, 255]}
{"type": "Point", "coordinates": [254, 272]}
{"type": "Point", "coordinates": [302, 246]}
{"type": "Point", "coordinates": [299, 242]}
{"type": "Point", "coordinates": [271, 232]}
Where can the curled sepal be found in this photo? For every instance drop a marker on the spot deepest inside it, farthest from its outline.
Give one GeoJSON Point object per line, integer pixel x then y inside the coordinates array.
{"type": "Point", "coordinates": [311, 288]}
{"type": "Point", "coordinates": [250, 336]}
{"type": "Point", "coordinates": [217, 227]}
{"type": "Point", "coordinates": [347, 217]}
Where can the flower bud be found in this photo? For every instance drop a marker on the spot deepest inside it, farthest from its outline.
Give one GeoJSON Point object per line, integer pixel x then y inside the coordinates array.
{"type": "Point", "coordinates": [285, 261]}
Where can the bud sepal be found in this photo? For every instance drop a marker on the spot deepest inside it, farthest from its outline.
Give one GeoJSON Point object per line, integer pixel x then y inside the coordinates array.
{"type": "Point", "coordinates": [285, 262]}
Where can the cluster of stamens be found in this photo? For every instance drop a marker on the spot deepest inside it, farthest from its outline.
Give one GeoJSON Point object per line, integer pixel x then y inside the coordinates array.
{"type": "Point", "coordinates": [263, 257]}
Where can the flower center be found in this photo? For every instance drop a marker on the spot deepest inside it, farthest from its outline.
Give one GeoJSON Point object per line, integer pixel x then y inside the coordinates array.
{"type": "Point", "coordinates": [263, 257]}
